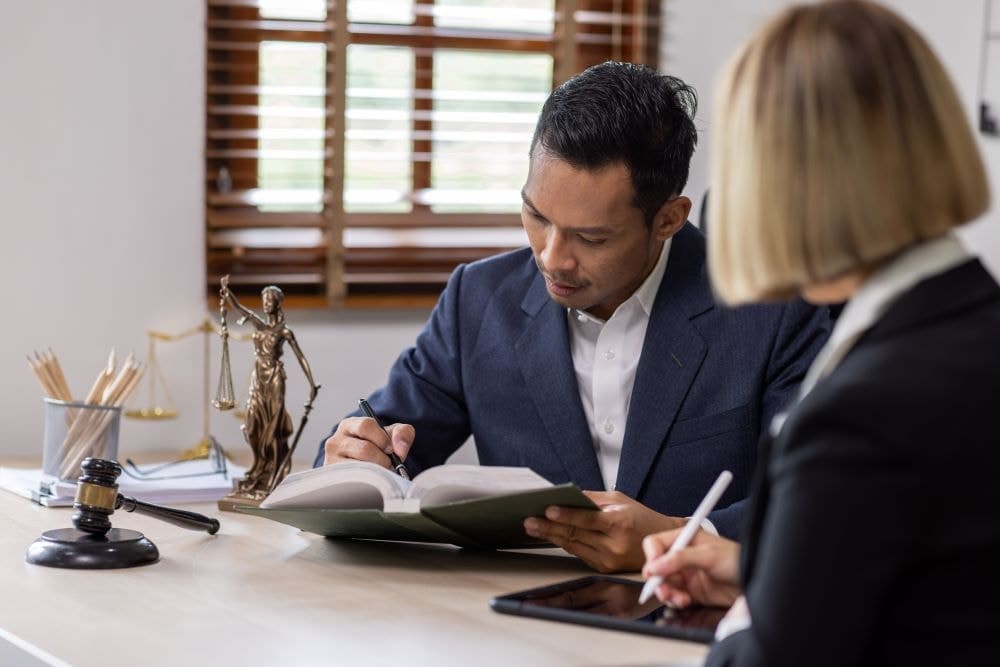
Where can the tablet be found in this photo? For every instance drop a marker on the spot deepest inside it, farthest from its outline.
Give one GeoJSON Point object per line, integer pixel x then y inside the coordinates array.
{"type": "Point", "coordinates": [612, 603]}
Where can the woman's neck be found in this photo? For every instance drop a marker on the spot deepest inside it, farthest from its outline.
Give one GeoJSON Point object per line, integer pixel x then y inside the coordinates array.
{"type": "Point", "coordinates": [836, 290]}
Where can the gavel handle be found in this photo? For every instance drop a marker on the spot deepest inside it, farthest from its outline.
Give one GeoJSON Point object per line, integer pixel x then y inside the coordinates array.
{"type": "Point", "coordinates": [181, 518]}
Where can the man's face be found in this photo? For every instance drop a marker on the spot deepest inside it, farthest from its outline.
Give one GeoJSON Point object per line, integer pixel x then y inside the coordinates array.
{"type": "Point", "coordinates": [589, 239]}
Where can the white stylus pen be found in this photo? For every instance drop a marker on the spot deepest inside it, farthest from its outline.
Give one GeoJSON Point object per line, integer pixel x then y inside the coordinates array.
{"type": "Point", "coordinates": [690, 528]}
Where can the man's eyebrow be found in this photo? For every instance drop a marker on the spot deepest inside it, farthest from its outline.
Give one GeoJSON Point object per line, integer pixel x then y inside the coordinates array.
{"type": "Point", "coordinates": [596, 230]}
{"type": "Point", "coordinates": [530, 204]}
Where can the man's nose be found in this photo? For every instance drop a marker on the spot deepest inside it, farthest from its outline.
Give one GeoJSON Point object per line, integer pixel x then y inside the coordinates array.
{"type": "Point", "coordinates": [557, 256]}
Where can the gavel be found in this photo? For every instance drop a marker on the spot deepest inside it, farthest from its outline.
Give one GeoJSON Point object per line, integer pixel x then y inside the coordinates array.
{"type": "Point", "coordinates": [92, 543]}
{"type": "Point", "coordinates": [97, 498]}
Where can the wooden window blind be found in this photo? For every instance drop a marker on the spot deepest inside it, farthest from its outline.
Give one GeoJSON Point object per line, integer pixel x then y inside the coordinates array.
{"type": "Point", "coordinates": [356, 152]}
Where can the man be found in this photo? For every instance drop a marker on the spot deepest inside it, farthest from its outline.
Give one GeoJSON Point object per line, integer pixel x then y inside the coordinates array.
{"type": "Point", "coordinates": [599, 356]}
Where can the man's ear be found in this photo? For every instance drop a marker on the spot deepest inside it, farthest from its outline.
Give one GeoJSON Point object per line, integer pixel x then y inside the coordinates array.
{"type": "Point", "coordinates": [671, 217]}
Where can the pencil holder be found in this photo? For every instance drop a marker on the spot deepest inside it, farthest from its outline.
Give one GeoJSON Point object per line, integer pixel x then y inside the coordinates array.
{"type": "Point", "coordinates": [74, 431]}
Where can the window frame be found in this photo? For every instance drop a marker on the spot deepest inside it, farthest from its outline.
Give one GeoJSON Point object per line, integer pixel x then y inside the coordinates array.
{"type": "Point", "coordinates": [339, 277]}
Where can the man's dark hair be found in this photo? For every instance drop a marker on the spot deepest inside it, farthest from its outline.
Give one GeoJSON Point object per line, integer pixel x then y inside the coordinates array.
{"type": "Point", "coordinates": [620, 112]}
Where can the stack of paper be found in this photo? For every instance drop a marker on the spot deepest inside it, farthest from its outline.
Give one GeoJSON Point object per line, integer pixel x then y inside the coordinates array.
{"type": "Point", "coordinates": [199, 484]}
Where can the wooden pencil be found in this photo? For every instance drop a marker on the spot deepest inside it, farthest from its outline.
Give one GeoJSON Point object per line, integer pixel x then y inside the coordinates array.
{"type": "Point", "coordinates": [56, 370]}
{"type": "Point", "coordinates": [88, 430]}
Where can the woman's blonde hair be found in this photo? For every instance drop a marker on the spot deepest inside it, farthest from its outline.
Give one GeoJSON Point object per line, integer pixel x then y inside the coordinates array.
{"type": "Point", "coordinates": [838, 142]}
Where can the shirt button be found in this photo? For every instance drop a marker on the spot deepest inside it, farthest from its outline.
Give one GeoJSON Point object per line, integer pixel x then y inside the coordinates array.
{"type": "Point", "coordinates": [609, 427]}
{"type": "Point", "coordinates": [609, 355]}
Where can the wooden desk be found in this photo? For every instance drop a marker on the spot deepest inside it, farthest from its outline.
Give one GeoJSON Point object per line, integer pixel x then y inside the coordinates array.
{"type": "Point", "coordinates": [262, 593]}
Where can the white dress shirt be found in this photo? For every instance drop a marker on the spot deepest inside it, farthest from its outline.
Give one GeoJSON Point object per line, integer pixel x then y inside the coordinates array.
{"type": "Point", "coordinates": [605, 358]}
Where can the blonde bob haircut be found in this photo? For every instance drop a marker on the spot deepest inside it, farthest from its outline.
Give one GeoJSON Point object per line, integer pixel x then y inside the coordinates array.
{"type": "Point", "coordinates": [839, 142]}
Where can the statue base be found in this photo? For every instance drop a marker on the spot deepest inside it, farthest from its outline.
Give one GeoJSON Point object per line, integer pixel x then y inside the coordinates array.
{"type": "Point", "coordinates": [229, 503]}
{"type": "Point", "coordinates": [240, 497]}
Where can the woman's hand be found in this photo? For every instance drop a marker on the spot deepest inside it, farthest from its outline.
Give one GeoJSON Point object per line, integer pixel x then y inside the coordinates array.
{"type": "Point", "coordinates": [705, 572]}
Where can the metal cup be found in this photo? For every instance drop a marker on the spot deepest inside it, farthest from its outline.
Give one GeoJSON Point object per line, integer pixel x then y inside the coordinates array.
{"type": "Point", "coordinates": [74, 431]}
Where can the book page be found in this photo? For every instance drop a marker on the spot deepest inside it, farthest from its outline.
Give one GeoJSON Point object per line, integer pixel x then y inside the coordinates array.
{"type": "Point", "coordinates": [451, 483]}
{"type": "Point", "coordinates": [352, 485]}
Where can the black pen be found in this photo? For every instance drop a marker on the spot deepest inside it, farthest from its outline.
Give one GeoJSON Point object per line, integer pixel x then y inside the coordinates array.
{"type": "Point", "coordinates": [397, 462]}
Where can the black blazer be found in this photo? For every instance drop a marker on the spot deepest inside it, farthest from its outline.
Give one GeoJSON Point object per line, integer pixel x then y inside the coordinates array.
{"type": "Point", "coordinates": [873, 533]}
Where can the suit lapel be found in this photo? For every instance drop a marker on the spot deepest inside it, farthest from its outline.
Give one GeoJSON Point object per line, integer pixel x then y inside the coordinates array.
{"type": "Point", "coordinates": [672, 353]}
{"type": "Point", "coordinates": [543, 354]}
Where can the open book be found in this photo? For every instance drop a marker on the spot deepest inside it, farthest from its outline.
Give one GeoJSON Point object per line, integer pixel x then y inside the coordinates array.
{"type": "Point", "coordinates": [467, 505]}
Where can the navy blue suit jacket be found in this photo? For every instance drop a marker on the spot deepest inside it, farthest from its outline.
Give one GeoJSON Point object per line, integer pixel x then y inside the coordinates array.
{"type": "Point", "coordinates": [494, 362]}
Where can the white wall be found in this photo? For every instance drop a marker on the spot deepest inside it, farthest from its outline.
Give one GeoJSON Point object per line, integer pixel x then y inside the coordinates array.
{"type": "Point", "coordinates": [101, 201]}
{"type": "Point", "coordinates": [697, 39]}
{"type": "Point", "coordinates": [99, 188]}
{"type": "Point", "coordinates": [101, 234]}
{"type": "Point", "coordinates": [700, 35]}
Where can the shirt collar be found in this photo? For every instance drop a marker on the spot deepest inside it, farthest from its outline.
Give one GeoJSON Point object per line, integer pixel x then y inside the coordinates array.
{"type": "Point", "coordinates": [645, 295]}
{"type": "Point", "coordinates": [877, 293]}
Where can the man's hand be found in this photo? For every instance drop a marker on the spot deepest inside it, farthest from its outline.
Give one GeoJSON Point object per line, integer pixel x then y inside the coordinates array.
{"type": "Point", "coordinates": [362, 439]}
{"type": "Point", "coordinates": [609, 540]}
{"type": "Point", "coordinates": [705, 572]}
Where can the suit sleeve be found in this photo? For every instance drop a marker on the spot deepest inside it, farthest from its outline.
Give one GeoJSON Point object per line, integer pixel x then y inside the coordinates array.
{"type": "Point", "coordinates": [728, 521]}
{"type": "Point", "coordinates": [840, 523]}
{"type": "Point", "coordinates": [802, 331]}
{"type": "Point", "coordinates": [425, 386]}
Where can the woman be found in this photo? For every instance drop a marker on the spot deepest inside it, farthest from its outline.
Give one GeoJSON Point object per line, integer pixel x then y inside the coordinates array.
{"type": "Point", "coordinates": [268, 425]}
{"type": "Point", "coordinates": [842, 161]}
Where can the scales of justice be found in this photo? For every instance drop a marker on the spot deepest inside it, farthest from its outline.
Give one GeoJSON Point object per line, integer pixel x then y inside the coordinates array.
{"type": "Point", "coordinates": [156, 383]}
{"type": "Point", "coordinates": [267, 425]}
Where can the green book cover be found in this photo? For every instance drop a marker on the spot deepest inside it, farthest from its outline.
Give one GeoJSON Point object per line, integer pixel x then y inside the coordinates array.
{"type": "Point", "coordinates": [497, 522]}
{"type": "Point", "coordinates": [494, 522]}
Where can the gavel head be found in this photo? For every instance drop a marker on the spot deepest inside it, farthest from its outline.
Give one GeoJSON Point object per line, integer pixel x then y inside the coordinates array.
{"type": "Point", "coordinates": [96, 495]}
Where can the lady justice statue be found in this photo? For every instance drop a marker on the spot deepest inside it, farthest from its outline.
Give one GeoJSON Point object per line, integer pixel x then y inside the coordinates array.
{"type": "Point", "coordinates": [267, 425]}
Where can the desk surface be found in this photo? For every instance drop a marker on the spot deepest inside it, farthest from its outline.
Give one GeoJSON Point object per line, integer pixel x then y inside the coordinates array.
{"type": "Point", "coordinates": [262, 593]}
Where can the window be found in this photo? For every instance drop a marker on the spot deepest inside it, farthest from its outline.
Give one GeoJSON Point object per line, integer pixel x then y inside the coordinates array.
{"type": "Point", "coordinates": [356, 152]}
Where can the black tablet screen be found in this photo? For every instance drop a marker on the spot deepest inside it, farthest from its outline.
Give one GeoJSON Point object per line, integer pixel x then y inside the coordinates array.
{"type": "Point", "coordinates": [611, 602]}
